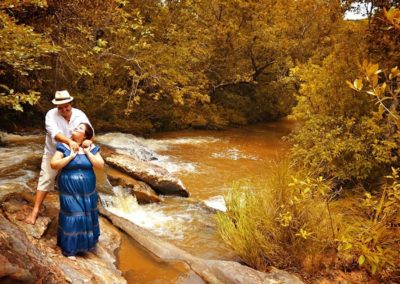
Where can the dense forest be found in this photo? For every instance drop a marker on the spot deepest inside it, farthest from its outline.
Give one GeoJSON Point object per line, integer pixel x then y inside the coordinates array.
{"type": "Point", "coordinates": [145, 66]}
{"type": "Point", "coordinates": [142, 66]}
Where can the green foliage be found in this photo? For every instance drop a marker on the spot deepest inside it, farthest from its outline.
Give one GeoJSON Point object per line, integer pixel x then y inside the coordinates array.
{"type": "Point", "coordinates": [372, 234]}
{"type": "Point", "coordinates": [343, 133]}
{"type": "Point", "coordinates": [282, 220]}
{"type": "Point", "coordinates": [182, 55]}
{"type": "Point", "coordinates": [21, 51]}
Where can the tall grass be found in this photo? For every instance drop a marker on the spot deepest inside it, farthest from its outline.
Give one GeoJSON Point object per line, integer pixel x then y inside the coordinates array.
{"type": "Point", "coordinates": [288, 219]}
{"type": "Point", "coordinates": [282, 219]}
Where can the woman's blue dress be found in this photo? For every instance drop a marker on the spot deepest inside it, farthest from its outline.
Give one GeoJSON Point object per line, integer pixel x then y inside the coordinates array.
{"type": "Point", "coordinates": [78, 223]}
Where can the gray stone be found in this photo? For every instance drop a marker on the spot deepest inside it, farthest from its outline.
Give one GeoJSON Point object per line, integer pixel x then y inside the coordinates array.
{"type": "Point", "coordinates": [20, 260]}
{"type": "Point", "coordinates": [16, 210]}
{"type": "Point", "coordinates": [29, 259]}
{"type": "Point", "coordinates": [157, 177]}
{"type": "Point", "coordinates": [143, 192]}
{"type": "Point", "coordinates": [212, 271]}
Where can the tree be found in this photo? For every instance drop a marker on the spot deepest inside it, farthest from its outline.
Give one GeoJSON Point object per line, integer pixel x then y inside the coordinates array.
{"type": "Point", "coordinates": [21, 54]}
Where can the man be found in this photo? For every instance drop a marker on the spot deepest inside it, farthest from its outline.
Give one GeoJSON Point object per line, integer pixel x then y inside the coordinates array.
{"type": "Point", "coordinates": [60, 122]}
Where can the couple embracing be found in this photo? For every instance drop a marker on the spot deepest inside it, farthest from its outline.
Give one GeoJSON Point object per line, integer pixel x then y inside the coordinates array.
{"type": "Point", "coordinates": [70, 153]}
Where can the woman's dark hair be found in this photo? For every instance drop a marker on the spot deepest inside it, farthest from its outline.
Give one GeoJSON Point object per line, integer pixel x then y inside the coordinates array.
{"type": "Point", "coordinates": [89, 131]}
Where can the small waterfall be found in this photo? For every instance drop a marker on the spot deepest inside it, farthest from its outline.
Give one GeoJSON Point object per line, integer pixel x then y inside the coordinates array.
{"type": "Point", "coordinates": [150, 216]}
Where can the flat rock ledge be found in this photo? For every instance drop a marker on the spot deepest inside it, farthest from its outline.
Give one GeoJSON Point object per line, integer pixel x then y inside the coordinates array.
{"type": "Point", "coordinates": [212, 271]}
{"type": "Point", "coordinates": [29, 254]}
{"type": "Point", "coordinates": [142, 191]}
{"type": "Point", "coordinates": [157, 177]}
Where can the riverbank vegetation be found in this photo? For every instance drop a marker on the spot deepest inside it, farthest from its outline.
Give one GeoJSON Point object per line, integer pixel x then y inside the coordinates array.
{"type": "Point", "coordinates": [334, 213]}
{"type": "Point", "coordinates": [143, 66]}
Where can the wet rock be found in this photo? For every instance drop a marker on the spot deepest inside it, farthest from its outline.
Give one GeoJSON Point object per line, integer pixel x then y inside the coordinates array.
{"type": "Point", "coordinates": [43, 253]}
{"type": "Point", "coordinates": [234, 272]}
{"type": "Point", "coordinates": [212, 271]}
{"type": "Point", "coordinates": [103, 185]}
{"type": "Point", "coordinates": [109, 241]}
{"type": "Point", "coordinates": [10, 271]}
{"type": "Point", "coordinates": [127, 144]}
{"type": "Point", "coordinates": [21, 261]}
{"type": "Point", "coordinates": [10, 138]}
{"type": "Point", "coordinates": [144, 193]}
{"type": "Point", "coordinates": [157, 177]}
{"type": "Point", "coordinates": [16, 210]}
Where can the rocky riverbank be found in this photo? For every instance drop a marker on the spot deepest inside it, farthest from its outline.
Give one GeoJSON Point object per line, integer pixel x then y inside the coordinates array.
{"type": "Point", "coordinates": [28, 253]}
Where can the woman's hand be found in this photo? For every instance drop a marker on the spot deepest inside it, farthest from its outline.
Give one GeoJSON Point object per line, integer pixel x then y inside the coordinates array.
{"type": "Point", "coordinates": [86, 150]}
{"type": "Point", "coordinates": [73, 145]}
{"type": "Point", "coordinates": [96, 160]}
{"type": "Point", "coordinates": [59, 161]}
{"type": "Point", "coordinates": [87, 143]}
{"type": "Point", "coordinates": [72, 154]}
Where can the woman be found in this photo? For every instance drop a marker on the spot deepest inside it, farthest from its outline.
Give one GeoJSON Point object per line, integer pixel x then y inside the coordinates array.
{"type": "Point", "coordinates": [78, 224]}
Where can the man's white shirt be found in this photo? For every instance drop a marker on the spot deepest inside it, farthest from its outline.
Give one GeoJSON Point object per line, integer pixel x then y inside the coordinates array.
{"type": "Point", "coordinates": [56, 124]}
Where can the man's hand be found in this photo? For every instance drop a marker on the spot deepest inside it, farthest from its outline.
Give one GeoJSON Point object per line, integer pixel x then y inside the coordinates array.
{"type": "Point", "coordinates": [73, 146]}
{"type": "Point", "coordinates": [87, 144]}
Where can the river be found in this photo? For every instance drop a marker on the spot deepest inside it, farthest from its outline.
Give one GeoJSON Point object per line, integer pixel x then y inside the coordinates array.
{"type": "Point", "coordinates": [208, 163]}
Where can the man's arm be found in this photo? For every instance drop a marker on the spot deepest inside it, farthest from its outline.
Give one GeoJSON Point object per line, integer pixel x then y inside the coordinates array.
{"type": "Point", "coordinates": [64, 139]}
{"type": "Point", "coordinates": [55, 133]}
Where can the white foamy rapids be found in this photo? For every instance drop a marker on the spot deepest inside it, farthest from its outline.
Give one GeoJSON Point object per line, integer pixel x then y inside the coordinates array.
{"type": "Point", "coordinates": [17, 183]}
{"type": "Point", "coordinates": [233, 154]}
{"type": "Point", "coordinates": [21, 178]}
{"type": "Point", "coordinates": [10, 138]}
{"type": "Point", "coordinates": [216, 202]}
{"type": "Point", "coordinates": [150, 216]}
{"type": "Point", "coordinates": [165, 144]}
{"type": "Point", "coordinates": [10, 157]}
{"type": "Point", "coordinates": [172, 165]}
{"type": "Point", "coordinates": [144, 149]}
{"type": "Point", "coordinates": [122, 141]}
{"type": "Point", "coordinates": [128, 144]}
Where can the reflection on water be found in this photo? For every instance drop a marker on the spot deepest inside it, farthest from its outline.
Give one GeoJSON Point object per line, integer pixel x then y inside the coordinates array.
{"type": "Point", "coordinates": [139, 267]}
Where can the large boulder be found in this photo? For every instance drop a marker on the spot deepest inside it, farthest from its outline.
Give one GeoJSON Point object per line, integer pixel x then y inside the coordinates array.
{"type": "Point", "coordinates": [22, 261]}
{"type": "Point", "coordinates": [157, 177]}
{"type": "Point", "coordinates": [127, 144]}
{"type": "Point", "coordinates": [17, 214]}
{"type": "Point", "coordinates": [29, 258]}
{"type": "Point", "coordinates": [143, 192]}
{"type": "Point", "coordinates": [212, 271]}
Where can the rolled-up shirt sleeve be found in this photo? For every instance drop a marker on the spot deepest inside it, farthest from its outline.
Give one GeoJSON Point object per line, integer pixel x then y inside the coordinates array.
{"type": "Point", "coordinates": [84, 118]}
{"type": "Point", "coordinates": [51, 125]}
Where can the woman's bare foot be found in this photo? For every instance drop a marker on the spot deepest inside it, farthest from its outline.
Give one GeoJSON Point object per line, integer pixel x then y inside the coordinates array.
{"type": "Point", "coordinates": [31, 219]}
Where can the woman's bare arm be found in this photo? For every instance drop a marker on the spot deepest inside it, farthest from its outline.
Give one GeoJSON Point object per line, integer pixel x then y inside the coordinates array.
{"type": "Point", "coordinates": [59, 161]}
{"type": "Point", "coordinates": [96, 159]}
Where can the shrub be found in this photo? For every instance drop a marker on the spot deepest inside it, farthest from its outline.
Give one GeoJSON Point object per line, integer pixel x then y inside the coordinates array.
{"type": "Point", "coordinates": [283, 220]}
{"type": "Point", "coordinates": [371, 235]}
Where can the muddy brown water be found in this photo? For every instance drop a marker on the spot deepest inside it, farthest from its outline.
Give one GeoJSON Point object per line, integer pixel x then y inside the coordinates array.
{"type": "Point", "coordinates": [208, 163]}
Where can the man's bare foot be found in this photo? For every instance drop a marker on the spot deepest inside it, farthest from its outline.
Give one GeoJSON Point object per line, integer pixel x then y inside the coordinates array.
{"type": "Point", "coordinates": [31, 219]}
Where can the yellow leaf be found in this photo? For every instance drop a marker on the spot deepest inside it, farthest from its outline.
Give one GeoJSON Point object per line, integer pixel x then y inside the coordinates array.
{"type": "Point", "coordinates": [361, 260]}
{"type": "Point", "coordinates": [358, 84]}
{"type": "Point", "coordinates": [350, 85]}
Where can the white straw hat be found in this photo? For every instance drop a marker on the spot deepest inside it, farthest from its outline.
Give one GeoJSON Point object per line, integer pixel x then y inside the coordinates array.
{"type": "Point", "coordinates": [62, 97]}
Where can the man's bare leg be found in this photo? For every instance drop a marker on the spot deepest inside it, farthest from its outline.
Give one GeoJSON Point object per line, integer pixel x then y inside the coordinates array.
{"type": "Point", "coordinates": [40, 196]}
